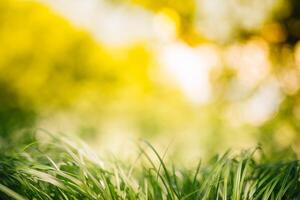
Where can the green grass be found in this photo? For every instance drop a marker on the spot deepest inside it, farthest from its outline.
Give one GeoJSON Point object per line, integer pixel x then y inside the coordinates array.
{"type": "Point", "coordinates": [62, 170]}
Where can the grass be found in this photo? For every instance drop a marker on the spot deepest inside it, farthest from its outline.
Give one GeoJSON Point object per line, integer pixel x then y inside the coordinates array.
{"type": "Point", "coordinates": [61, 169]}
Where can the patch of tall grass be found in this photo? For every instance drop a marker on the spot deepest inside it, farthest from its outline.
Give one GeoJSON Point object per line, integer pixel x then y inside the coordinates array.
{"type": "Point", "coordinates": [64, 170]}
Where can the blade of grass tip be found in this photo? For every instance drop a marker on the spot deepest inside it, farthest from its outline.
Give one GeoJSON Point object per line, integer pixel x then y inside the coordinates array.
{"type": "Point", "coordinates": [190, 194]}
{"type": "Point", "coordinates": [63, 194]}
{"type": "Point", "coordinates": [53, 163]}
{"type": "Point", "coordinates": [175, 177]}
{"type": "Point", "coordinates": [29, 145]}
{"type": "Point", "coordinates": [148, 157]}
{"type": "Point", "coordinates": [11, 193]}
{"type": "Point", "coordinates": [163, 157]}
{"type": "Point", "coordinates": [134, 162]}
{"type": "Point", "coordinates": [46, 132]}
{"type": "Point", "coordinates": [78, 162]}
{"type": "Point", "coordinates": [70, 181]}
{"type": "Point", "coordinates": [213, 176]}
{"type": "Point", "coordinates": [164, 168]}
{"type": "Point", "coordinates": [155, 184]}
{"type": "Point", "coordinates": [45, 177]}
{"type": "Point", "coordinates": [252, 189]}
{"type": "Point", "coordinates": [194, 182]}
{"type": "Point", "coordinates": [250, 185]}
{"type": "Point", "coordinates": [240, 176]}
{"type": "Point", "coordinates": [244, 173]}
{"type": "Point", "coordinates": [155, 169]}
{"type": "Point", "coordinates": [121, 176]}
{"type": "Point", "coordinates": [247, 190]}
{"type": "Point", "coordinates": [218, 183]}
{"type": "Point", "coordinates": [197, 172]}
{"type": "Point", "coordinates": [76, 183]}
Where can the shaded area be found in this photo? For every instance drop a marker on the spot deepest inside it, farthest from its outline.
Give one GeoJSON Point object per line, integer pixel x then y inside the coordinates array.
{"type": "Point", "coordinates": [15, 113]}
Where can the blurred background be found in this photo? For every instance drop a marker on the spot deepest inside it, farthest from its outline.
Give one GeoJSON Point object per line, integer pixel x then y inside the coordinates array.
{"type": "Point", "coordinates": [200, 76]}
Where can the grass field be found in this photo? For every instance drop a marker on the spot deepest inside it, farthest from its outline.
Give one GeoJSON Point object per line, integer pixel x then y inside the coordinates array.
{"type": "Point", "coordinates": [60, 169]}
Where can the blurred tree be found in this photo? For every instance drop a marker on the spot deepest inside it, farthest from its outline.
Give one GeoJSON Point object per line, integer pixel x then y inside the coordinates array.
{"type": "Point", "coordinates": [44, 62]}
{"type": "Point", "coordinates": [47, 66]}
{"type": "Point", "coordinates": [14, 113]}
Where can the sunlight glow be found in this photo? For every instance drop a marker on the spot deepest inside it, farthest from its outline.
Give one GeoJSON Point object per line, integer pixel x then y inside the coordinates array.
{"type": "Point", "coordinates": [112, 25]}
{"type": "Point", "coordinates": [190, 68]}
{"type": "Point", "coordinates": [262, 105]}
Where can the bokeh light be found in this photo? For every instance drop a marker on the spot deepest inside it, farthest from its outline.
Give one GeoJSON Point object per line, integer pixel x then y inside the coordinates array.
{"type": "Point", "coordinates": [199, 75]}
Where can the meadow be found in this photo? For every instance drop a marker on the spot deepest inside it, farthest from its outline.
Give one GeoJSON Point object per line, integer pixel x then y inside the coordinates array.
{"type": "Point", "coordinates": [64, 169]}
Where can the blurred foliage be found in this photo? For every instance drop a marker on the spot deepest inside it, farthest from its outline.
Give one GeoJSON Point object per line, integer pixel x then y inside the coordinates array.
{"type": "Point", "coordinates": [47, 66]}
{"type": "Point", "coordinates": [276, 34]}
{"type": "Point", "coordinates": [44, 62]}
{"type": "Point", "coordinates": [14, 114]}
